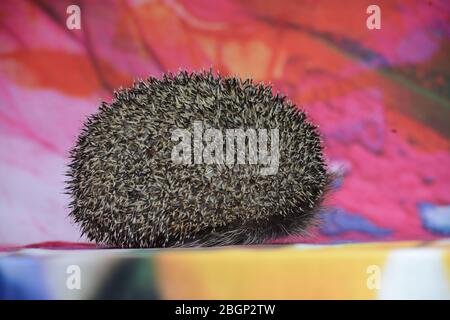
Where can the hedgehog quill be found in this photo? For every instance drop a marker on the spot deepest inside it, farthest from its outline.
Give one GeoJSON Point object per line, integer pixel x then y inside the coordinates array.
{"type": "Point", "coordinates": [196, 159]}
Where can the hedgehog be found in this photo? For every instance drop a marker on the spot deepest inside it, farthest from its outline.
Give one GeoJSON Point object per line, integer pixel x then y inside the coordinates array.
{"type": "Point", "coordinates": [155, 167]}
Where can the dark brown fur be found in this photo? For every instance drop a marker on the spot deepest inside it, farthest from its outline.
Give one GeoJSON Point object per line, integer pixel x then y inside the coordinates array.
{"type": "Point", "coordinates": [127, 192]}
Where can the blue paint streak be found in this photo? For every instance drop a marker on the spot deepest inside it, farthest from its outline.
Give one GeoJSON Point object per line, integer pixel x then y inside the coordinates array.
{"type": "Point", "coordinates": [22, 278]}
{"type": "Point", "coordinates": [337, 222]}
{"type": "Point", "coordinates": [435, 219]}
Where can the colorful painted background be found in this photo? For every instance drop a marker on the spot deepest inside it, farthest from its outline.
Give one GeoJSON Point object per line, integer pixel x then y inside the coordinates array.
{"type": "Point", "coordinates": [394, 270]}
{"type": "Point", "coordinates": [380, 97]}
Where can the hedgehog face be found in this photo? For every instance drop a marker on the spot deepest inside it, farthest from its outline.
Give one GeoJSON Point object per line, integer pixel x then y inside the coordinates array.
{"type": "Point", "coordinates": [196, 160]}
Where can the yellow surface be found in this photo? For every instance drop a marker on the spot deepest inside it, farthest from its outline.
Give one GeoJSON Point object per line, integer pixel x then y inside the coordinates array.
{"type": "Point", "coordinates": [322, 272]}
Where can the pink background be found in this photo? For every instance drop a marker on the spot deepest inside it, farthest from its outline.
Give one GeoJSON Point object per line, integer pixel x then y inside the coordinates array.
{"type": "Point", "coordinates": [380, 97]}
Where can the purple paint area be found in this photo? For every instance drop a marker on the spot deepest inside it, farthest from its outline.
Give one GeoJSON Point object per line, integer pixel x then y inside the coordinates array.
{"type": "Point", "coordinates": [435, 218]}
{"type": "Point", "coordinates": [337, 222]}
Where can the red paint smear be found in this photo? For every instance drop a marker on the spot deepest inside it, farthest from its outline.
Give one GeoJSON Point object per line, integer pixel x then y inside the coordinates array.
{"type": "Point", "coordinates": [54, 245]}
{"type": "Point", "coordinates": [70, 73]}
